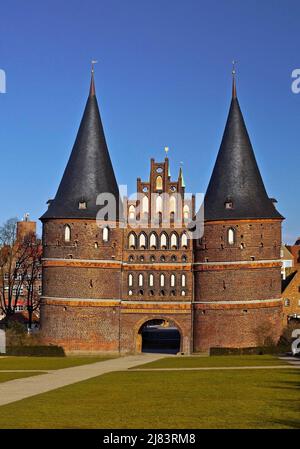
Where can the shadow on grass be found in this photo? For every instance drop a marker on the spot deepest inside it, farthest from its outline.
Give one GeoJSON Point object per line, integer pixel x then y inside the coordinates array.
{"type": "Point", "coordinates": [291, 405]}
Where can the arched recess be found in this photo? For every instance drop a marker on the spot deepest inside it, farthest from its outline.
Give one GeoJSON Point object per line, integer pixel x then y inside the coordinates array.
{"type": "Point", "coordinates": [158, 334]}
{"type": "Point", "coordinates": [184, 240]}
{"type": "Point", "coordinates": [186, 212]}
{"type": "Point", "coordinates": [158, 204]}
{"type": "Point", "coordinates": [174, 240]}
{"type": "Point", "coordinates": [105, 234]}
{"type": "Point", "coordinates": [132, 240]}
{"type": "Point", "coordinates": [172, 204]}
{"type": "Point", "coordinates": [231, 236]}
{"type": "Point", "coordinates": [142, 241]}
{"type": "Point", "coordinates": [159, 183]}
{"type": "Point", "coordinates": [153, 240]}
{"type": "Point", "coordinates": [131, 212]}
{"type": "Point", "coordinates": [67, 233]}
{"type": "Point", "coordinates": [163, 240]}
{"type": "Point", "coordinates": [145, 205]}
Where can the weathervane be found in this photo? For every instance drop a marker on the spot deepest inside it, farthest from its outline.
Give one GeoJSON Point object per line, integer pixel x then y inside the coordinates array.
{"type": "Point", "coordinates": [93, 63]}
{"type": "Point", "coordinates": [233, 79]}
{"type": "Point", "coordinates": [166, 151]}
{"type": "Point", "coordinates": [233, 67]}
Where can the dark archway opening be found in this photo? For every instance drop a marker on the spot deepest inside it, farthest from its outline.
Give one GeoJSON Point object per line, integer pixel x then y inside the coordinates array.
{"type": "Point", "coordinates": [160, 336]}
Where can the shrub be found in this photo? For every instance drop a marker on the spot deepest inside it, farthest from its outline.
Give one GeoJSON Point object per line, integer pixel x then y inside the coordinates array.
{"type": "Point", "coordinates": [37, 351]}
{"type": "Point", "coordinates": [259, 350]}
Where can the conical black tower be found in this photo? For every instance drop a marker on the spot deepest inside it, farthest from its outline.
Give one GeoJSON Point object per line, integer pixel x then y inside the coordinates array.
{"type": "Point", "coordinates": [236, 189]}
{"type": "Point", "coordinates": [89, 171]}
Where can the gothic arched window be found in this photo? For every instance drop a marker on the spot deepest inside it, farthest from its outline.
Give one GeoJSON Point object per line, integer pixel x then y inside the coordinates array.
{"type": "Point", "coordinates": [141, 280]}
{"type": "Point", "coordinates": [172, 204]}
{"type": "Point", "coordinates": [183, 280]}
{"type": "Point", "coordinates": [172, 280]}
{"type": "Point", "coordinates": [158, 205]}
{"type": "Point", "coordinates": [230, 236]}
{"type": "Point", "coordinates": [153, 241]}
{"type": "Point", "coordinates": [145, 204]}
{"type": "Point", "coordinates": [131, 212]}
{"type": "Point", "coordinates": [162, 280]}
{"type": "Point", "coordinates": [130, 280]}
{"type": "Point", "coordinates": [186, 212]}
{"type": "Point", "coordinates": [174, 241]}
{"type": "Point", "coordinates": [105, 234]}
{"type": "Point", "coordinates": [163, 241]}
{"type": "Point", "coordinates": [132, 240]}
{"type": "Point", "coordinates": [151, 280]}
{"type": "Point", "coordinates": [142, 241]}
{"type": "Point", "coordinates": [159, 183]}
{"type": "Point", "coordinates": [184, 240]}
{"type": "Point", "coordinates": [67, 233]}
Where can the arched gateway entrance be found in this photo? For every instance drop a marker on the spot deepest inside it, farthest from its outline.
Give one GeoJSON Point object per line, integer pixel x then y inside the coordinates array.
{"type": "Point", "coordinates": [159, 336]}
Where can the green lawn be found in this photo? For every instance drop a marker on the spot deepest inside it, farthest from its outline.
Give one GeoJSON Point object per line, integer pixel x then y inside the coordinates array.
{"type": "Point", "coordinates": [4, 377]}
{"type": "Point", "coordinates": [189, 399]}
{"type": "Point", "coordinates": [214, 361]}
{"type": "Point", "coordinates": [46, 363]}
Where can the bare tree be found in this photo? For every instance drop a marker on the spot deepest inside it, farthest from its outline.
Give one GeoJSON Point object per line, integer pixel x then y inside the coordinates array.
{"type": "Point", "coordinates": [19, 266]}
{"type": "Point", "coordinates": [34, 248]}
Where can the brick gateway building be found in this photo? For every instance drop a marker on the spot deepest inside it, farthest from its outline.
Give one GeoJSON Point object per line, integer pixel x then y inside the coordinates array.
{"type": "Point", "coordinates": [103, 284]}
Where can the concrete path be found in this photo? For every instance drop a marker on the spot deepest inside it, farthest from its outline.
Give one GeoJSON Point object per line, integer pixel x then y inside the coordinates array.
{"type": "Point", "coordinates": [295, 361]}
{"type": "Point", "coordinates": [218, 368]}
{"type": "Point", "coordinates": [15, 390]}
{"type": "Point", "coordinates": [26, 370]}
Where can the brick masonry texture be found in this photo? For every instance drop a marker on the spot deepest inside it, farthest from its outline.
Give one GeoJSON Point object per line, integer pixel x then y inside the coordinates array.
{"type": "Point", "coordinates": [87, 305]}
{"type": "Point", "coordinates": [236, 328]}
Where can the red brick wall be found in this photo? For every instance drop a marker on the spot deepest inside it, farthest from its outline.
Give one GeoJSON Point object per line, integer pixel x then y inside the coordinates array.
{"type": "Point", "coordinates": [236, 328]}
{"type": "Point", "coordinates": [79, 270]}
{"type": "Point", "coordinates": [238, 284]}
{"type": "Point", "coordinates": [237, 272]}
{"type": "Point", "coordinates": [252, 234]}
{"type": "Point", "coordinates": [81, 327]}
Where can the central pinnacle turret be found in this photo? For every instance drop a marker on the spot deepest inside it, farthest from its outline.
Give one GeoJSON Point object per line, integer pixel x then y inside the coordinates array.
{"type": "Point", "coordinates": [89, 171]}
{"type": "Point", "coordinates": [236, 189]}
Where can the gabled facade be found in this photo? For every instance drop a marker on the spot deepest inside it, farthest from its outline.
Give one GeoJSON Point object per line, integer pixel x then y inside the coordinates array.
{"type": "Point", "coordinates": [104, 281]}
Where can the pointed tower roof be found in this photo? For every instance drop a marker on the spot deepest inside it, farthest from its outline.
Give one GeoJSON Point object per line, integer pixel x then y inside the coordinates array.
{"type": "Point", "coordinates": [89, 171]}
{"type": "Point", "coordinates": [236, 189]}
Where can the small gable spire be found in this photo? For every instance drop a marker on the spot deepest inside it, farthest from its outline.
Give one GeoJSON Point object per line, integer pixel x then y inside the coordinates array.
{"type": "Point", "coordinates": [180, 177]}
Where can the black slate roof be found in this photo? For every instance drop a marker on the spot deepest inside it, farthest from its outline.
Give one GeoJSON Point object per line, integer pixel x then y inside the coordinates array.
{"type": "Point", "coordinates": [89, 171]}
{"type": "Point", "coordinates": [236, 177]}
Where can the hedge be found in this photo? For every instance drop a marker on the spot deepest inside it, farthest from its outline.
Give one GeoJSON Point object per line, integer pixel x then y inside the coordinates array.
{"type": "Point", "coordinates": [259, 350]}
{"type": "Point", "coordinates": [37, 351]}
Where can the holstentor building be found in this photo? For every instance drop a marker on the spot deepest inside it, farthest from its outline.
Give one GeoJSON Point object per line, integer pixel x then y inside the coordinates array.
{"type": "Point", "coordinates": [103, 282]}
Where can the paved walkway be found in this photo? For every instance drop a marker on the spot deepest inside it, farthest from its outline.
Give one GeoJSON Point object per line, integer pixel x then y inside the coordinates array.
{"type": "Point", "coordinates": [15, 390]}
{"type": "Point", "coordinates": [218, 368]}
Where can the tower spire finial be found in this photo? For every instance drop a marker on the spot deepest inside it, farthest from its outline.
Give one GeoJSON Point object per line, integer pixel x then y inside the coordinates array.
{"type": "Point", "coordinates": [233, 79]}
{"type": "Point", "coordinates": [92, 87]}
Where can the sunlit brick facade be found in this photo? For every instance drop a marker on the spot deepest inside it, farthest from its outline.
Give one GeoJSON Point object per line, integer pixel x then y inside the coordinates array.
{"type": "Point", "coordinates": [102, 281]}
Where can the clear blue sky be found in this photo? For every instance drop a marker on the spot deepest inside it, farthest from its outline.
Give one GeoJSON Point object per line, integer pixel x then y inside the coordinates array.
{"type": "Point", "coordinates": [163, 78]}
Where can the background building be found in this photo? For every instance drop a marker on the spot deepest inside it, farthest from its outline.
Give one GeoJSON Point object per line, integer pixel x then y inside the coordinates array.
{"type": "Point", "coordinates": [291, 287]}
